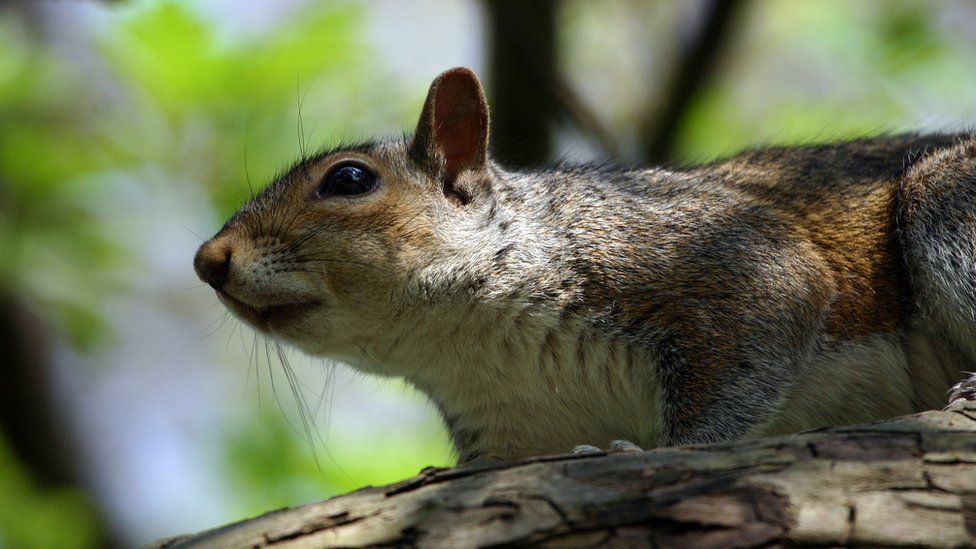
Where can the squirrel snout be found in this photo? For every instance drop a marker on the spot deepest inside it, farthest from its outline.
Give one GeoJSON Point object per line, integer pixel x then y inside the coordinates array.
{"type": "Point", "coordinates": [212, 262]}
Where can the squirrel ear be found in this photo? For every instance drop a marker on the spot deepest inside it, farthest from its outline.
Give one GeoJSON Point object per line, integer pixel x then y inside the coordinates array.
{"type": "Point", "coordinates": [454, 123]}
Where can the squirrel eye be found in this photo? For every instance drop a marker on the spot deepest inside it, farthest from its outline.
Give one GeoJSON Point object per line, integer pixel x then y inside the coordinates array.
{"type": "Point", "coordinates": [347, 180]}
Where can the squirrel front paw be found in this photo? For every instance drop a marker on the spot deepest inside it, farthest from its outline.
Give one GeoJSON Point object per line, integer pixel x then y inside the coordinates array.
{"type": "Point", "coordinates": [616, 447]}
{"type": "Point", "coordinates": [963, 394]}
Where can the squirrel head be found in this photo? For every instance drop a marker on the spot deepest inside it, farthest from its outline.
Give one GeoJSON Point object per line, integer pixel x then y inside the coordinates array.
{"type": "Point", "coordinates": [348, 240]}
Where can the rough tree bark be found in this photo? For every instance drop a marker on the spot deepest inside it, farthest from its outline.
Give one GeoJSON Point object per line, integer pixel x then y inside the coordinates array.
{"type": "Point", "coordinates": [907, 481]}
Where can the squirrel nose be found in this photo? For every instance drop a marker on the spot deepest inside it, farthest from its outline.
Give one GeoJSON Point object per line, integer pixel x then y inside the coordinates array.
{"type": "Point", "coordinates": [212, 262]}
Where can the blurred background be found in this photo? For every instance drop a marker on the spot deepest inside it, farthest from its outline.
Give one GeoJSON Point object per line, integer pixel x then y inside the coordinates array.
{"type": "Point", "coordinates": [132, 407]}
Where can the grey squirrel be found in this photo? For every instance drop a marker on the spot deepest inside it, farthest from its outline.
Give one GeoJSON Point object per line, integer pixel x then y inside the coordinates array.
{"type": "Point", "coordinates": [778, 290]}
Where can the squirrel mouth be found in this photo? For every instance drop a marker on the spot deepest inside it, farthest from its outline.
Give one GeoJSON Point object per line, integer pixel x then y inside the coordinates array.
{"type": "Point", "coordinates": [262, 317]}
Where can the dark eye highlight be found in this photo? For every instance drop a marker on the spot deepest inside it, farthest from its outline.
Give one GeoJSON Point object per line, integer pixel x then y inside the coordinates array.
{"type": "Point", "coordinates": [347, 180]}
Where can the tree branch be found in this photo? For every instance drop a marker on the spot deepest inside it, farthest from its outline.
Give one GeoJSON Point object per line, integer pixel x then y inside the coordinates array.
{"type": "Point", "coordinates": [911, 480]}
{"type": "Point", "coordinates": [581, 115]}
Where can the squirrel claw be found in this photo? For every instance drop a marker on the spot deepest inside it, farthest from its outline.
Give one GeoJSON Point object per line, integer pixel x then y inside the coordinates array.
{"type": "Point", "coordinates": [587, 450]}
{"type": "Point", "coordinates": [624, 446]}
{"type": "Point", "coordinates": [616, 447]}
{"type": "Point", "coordinates": [963, 394]}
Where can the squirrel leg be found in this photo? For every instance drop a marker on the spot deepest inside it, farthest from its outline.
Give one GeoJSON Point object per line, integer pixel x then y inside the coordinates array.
{"type": "Point", "coordinates": [624, 446]}
{"type": "Point", "coordinates": [939, 238]}
{"type": "Point", "coordinates": [962, 395]}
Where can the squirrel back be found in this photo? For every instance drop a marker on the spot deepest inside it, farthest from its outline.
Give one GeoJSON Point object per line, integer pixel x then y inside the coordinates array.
{"type": "Point", "coordinates": [770, 292]}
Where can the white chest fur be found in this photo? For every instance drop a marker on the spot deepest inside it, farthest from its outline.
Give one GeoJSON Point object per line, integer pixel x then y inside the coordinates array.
{"type": "Point", "coordinates": [518, 383]}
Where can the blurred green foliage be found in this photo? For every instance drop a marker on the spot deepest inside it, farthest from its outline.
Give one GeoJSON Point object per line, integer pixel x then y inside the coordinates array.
{"type": "Point", "coordinates": [34, 516]}
{"type": "Point", "coordinates": [269, 466]}
{"type": "Point", "coordinates": [53, 246]}
{"type": "Point", "coordinates": [210, 104]}
{"type": "Point", "coordinates": [860, 69]}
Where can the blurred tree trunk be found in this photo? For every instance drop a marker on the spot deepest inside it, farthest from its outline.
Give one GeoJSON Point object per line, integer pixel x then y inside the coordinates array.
{"type": "Point", "coordinates": [528, 93]}
{"type": "Point", "coordinates": [27, 417]}
{"type": "Point", "coordinates": [31, 423]}
{"type": "Point", "coordinates": [908, 481]}
{"type": "Point", "coordinates": [522, 58]}
{"type": "Point", "coordinates": [696, 66]}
